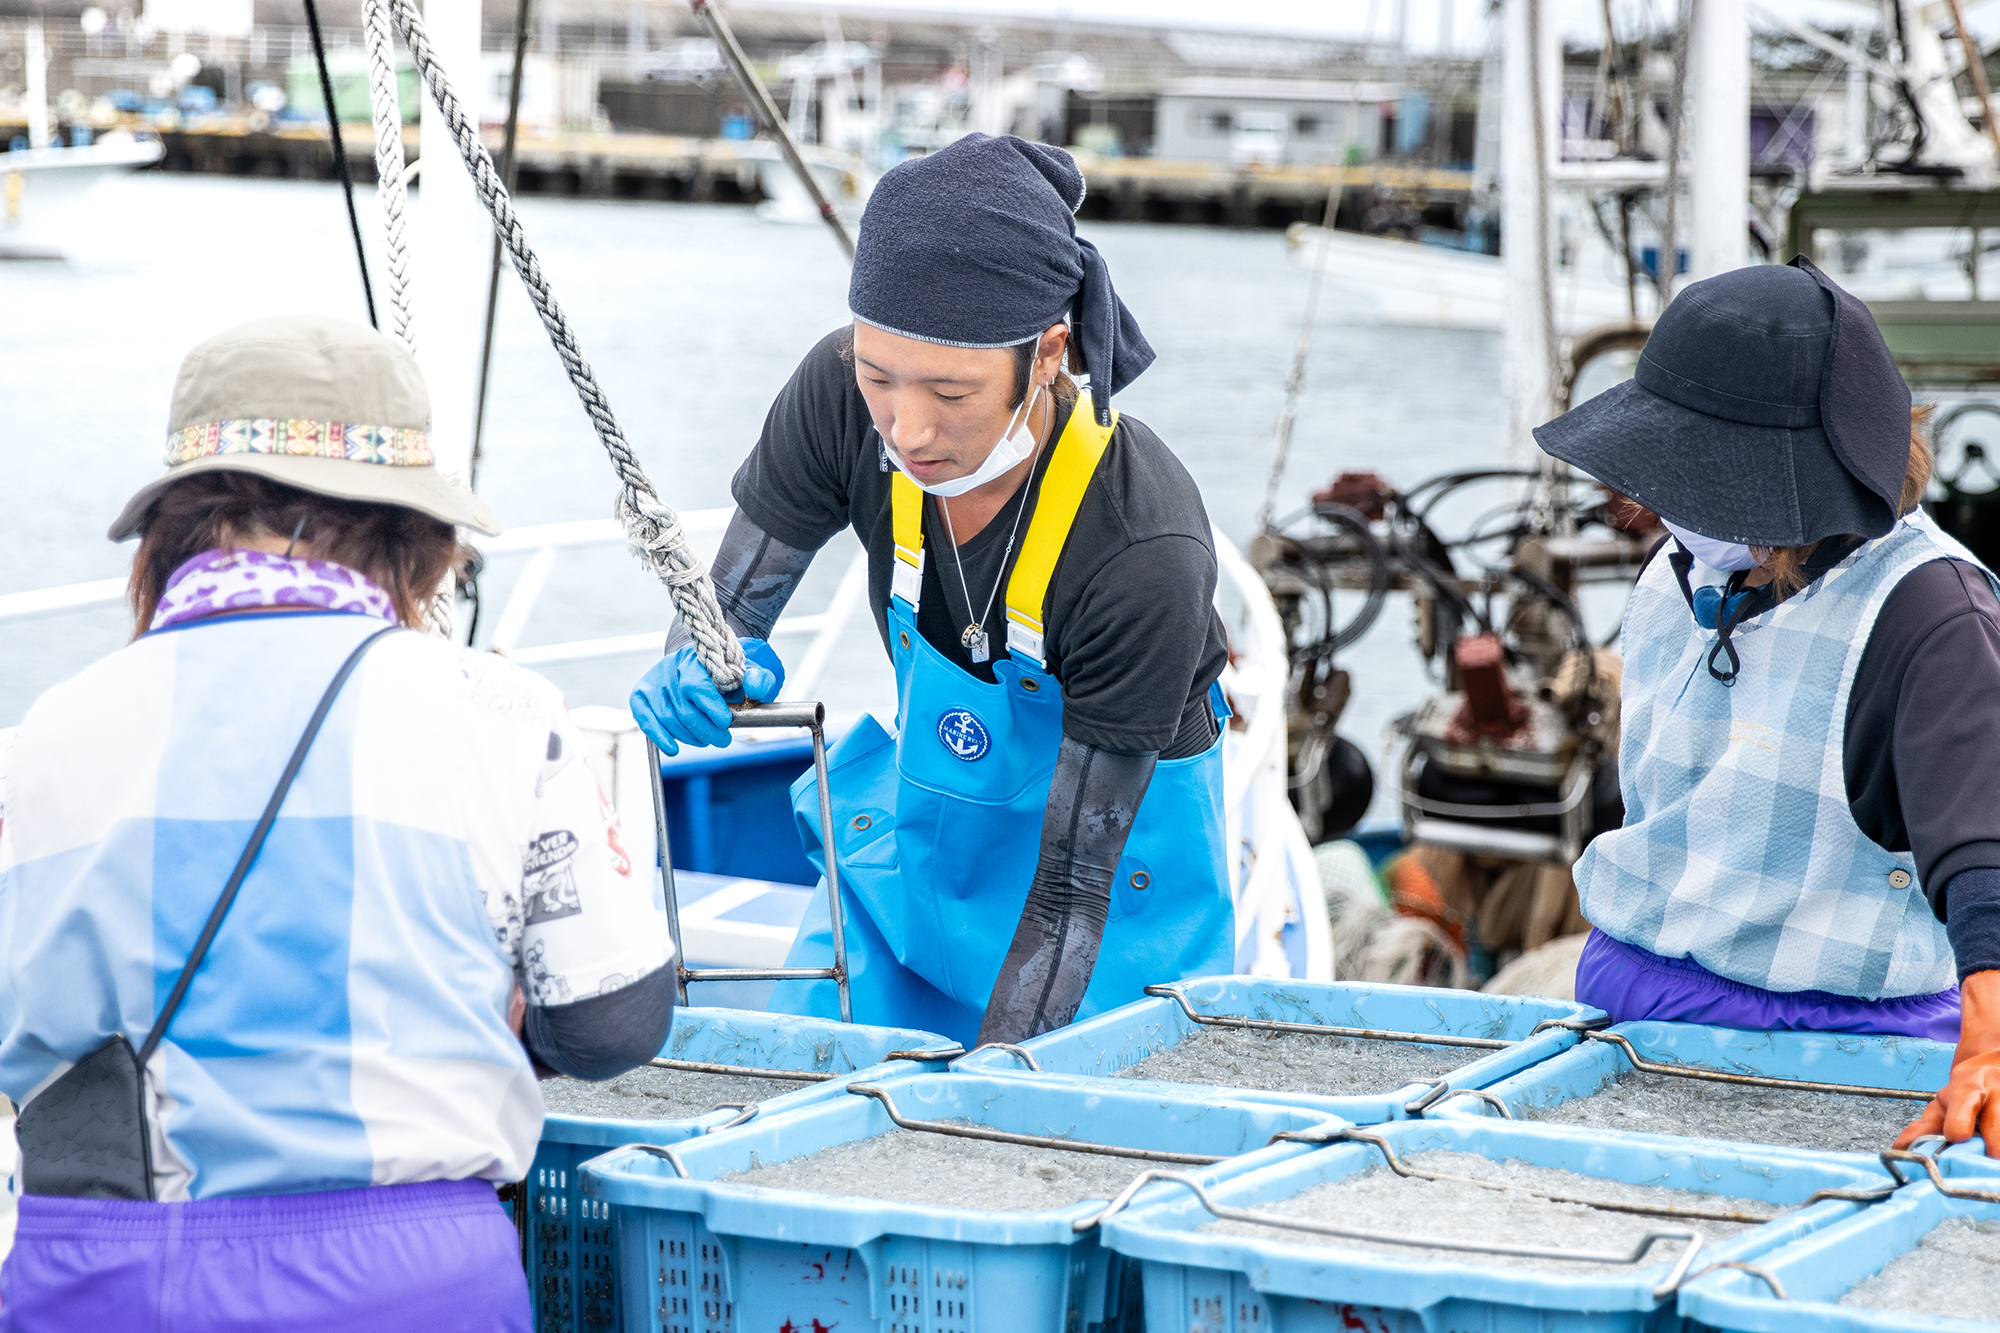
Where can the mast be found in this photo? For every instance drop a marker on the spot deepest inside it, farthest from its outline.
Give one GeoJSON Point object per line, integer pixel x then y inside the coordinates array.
{"type": "Point", "coordinates": [1527, 231]}
{"type": "Point", "coordinates": [38, 86]}
{"type": "Point", "coordinates": [1718, 111]}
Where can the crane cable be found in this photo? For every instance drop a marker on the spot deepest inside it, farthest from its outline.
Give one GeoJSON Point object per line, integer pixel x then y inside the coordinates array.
{"type": "Point", "coordinates": [653, 530]}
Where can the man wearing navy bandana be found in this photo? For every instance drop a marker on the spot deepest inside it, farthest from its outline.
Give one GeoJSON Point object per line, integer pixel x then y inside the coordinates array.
{"type": "Point", "coordinates": [1042, 837]}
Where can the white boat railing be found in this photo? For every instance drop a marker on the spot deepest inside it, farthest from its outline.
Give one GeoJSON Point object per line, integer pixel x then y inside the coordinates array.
{"type": "Point", "coordinates": [1270, 864]}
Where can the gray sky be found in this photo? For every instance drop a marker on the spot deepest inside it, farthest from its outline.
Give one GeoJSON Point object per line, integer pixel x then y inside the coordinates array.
{"type": "Point", "coordinates": [1350, 18]}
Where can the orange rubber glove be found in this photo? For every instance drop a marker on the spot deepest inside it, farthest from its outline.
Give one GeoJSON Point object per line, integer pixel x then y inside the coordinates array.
{"type": "Point", "coordinates": [1970, 1103]}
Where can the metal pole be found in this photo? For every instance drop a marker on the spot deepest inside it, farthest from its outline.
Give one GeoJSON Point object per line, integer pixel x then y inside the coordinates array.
{"type": "Point", "coordinates": [753, 87]}
{"type": "Point", "coordinates": [663, 854]}
{"type": "Point", "coordinates": [507, 175]}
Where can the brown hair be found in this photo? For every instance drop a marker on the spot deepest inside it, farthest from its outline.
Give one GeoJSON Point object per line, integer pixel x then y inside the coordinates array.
{"type": "Point", "coordinates": [407, 554]}
{"type": "Point", "coordinates": [1787, 564]}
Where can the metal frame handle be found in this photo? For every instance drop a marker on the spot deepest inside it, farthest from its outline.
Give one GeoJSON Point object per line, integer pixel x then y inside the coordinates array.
{"type": "Point", "coordinates": [811, 716]}
{"type": "Point", "coordinates": [966, 1131]}
{"type": "Point", "coordinates": [1640, 1062]}
{"type": "Point", "coordinates": [1171, 992]}
{"type": "Point", "coordinates": [1638, 1253]}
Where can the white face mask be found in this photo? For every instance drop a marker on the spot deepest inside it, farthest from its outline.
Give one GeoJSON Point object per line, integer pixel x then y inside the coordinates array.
{"type": "Point", "coordinates": [1723, 557]}
{"type": "Point", "coordinates": [1016, 447]}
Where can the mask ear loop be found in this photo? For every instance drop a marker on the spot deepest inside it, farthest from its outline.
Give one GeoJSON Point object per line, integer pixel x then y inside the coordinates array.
{"type": "Point", "coordinates": [1735, 603]}
{"type": "Point", "coordinates": [301, 527]}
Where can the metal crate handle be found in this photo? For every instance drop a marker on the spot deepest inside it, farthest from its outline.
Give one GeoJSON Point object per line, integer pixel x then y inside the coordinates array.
{"type": "Point", "coordinates": [811, 716]}
{"type": "Point", "coordinates": [1636, 1254]}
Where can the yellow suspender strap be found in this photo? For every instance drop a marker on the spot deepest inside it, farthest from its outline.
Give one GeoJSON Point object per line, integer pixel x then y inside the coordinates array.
{"type": "Point", "coordinates": [906, 505]}
{"type": "Point", "coordinates": [1077, 453]}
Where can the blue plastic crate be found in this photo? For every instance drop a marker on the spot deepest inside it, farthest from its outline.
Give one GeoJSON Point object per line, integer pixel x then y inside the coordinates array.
{"type": "Point", "coordinates": [1817, 1270]}
{"type": "Point", "coordinates": [1200, 1282]}
{"type": "Point", "coordinates": [568, 1242]}
{"type": "Point", "coordinates": [697, 1256]}
{"type": "Point", "coordinates": [1102, 1046]}
{"type": "Point", "coordinates": [1819, 1057]}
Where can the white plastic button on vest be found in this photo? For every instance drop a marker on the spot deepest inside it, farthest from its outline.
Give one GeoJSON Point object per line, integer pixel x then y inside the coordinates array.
{"type": "Point", "coordinates": [1899, 878]}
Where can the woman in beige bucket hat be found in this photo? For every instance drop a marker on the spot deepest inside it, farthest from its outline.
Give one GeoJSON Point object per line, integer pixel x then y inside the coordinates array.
{"type": "Point", "coordinates": [300, 1125]}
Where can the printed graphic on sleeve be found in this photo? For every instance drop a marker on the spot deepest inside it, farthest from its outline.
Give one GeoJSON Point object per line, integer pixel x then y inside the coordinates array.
{"type": "Point", "coordinates": [548, 878]}
{"type": "Point", "coordinates": [543, 986]}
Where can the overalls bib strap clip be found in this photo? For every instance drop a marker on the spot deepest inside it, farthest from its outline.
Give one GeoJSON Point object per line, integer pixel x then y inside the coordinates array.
{"type": "Point", "coordinates": [1071, 466]}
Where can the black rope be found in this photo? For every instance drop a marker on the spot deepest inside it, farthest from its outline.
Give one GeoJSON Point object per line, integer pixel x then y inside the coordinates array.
{"type": "Point", "coordinates": [507, 174]}
{"type": "Point", "coordinates": [340, 159]}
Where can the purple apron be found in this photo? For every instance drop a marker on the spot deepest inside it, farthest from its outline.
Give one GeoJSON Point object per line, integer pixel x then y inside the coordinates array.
{"type": "Point", "coordinates": [436, 1257]}
{"type": "Point", "coordinates": [1629, 983]}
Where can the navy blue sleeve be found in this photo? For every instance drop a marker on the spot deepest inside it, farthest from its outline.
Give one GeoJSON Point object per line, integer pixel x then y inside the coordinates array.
{"type": "Point", "coordinates": [602, 1036]}
{"type": "Point", "coordinates": [1921, 755]}
{"type": "Point", "coordinates": [1972, 921]}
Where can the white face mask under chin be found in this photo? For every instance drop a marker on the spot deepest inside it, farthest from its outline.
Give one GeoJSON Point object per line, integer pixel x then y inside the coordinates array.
{"type": "Point", "coordinates": [1723, 557]}
{"type": "Point", "coordinates": [1016, 447]}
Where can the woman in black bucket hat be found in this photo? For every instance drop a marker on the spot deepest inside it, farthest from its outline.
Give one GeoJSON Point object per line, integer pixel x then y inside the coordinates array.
{"type": "Point", "coordinates": [1811, 733]}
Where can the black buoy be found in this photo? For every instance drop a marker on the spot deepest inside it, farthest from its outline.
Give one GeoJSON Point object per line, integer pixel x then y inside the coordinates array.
{"type": "Point", "coordinates": [1350, 788]}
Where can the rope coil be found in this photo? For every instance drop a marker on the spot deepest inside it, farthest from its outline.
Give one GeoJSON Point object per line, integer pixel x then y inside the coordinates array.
{"type": "Point", "coordinates": [652, 528]}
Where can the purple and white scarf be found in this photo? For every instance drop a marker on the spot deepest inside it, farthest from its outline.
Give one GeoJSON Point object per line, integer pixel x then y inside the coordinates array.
{"type": "Point", "coordinates": [243, 580]}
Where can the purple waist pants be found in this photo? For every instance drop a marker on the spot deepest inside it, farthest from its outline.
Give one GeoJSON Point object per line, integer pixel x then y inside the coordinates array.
{"type": "Point", "coordinates": [1629, 983]}
{"type": "Point", "coordinates": [436, 1257]}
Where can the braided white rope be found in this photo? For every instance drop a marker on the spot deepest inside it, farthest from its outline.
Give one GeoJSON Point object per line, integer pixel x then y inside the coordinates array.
{"type": "Point", "coordinates": [390, 191]}
{"type": "Point", "coordinates": [652, 529]}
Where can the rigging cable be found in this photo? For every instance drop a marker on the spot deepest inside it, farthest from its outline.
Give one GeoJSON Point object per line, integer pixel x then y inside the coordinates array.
{"type": "Point", "coordinates": [1295, 382]}
{"type": "Point", "coordinates": [340, 158]}
{"type": "Point", "coordinates": [652, 528]}
{"type": "Point", "coordinates": [508, 173]}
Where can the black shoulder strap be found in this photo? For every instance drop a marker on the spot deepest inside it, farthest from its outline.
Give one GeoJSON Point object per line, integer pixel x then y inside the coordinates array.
{"type": "Point", "coordinates": [255, 845]}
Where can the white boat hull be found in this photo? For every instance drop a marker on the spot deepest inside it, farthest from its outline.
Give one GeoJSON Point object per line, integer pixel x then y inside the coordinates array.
{"type": "Point", "coordinates": [1427, 286]}
{"type": "Point", "coordinates": [41, 189]}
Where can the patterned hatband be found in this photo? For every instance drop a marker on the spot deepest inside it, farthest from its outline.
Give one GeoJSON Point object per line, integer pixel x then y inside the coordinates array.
{"type": "Point", "coordinates": [396, 446]}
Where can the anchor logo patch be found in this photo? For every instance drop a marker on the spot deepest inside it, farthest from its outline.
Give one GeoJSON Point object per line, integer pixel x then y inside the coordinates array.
{"type": "Point", "coordinates": [964, 735]}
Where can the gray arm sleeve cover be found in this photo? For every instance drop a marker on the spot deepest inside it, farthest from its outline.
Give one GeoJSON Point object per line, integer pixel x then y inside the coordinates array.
{"type": "Point", "coordinates": [604, 1035]}
{"type": "Point", "coordinates": [1093, 799]}
{"type": "Point", "coordinates": [755, 574]}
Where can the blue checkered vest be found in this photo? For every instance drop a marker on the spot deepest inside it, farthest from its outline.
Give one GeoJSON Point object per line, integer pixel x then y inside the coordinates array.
{"type": "Point", "coordinates": [1739, 849]}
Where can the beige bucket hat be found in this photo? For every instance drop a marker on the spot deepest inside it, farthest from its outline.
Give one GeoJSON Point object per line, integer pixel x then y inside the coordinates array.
{"type": "Point", "coordinates": [317, 403]}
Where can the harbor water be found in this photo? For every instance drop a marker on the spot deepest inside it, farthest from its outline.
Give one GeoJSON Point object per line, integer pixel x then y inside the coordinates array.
{"type": "Point", "coordinates": [693, 317]}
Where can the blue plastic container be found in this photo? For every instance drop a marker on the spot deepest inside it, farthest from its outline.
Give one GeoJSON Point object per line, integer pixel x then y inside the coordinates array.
{"type": "Point", "coordinates": [1820, 1057]}
{"type": "Point", "coordinates": [1102, 1046]}
{"type": "Point", "coordinates": [1200, 1282]}
{"type": "Point", "coordinates": [568, 1242]}
{"type": "Point", "coordinates": [1817, 1270]}
{"type": "Point", "coordinates": [698, 1256]}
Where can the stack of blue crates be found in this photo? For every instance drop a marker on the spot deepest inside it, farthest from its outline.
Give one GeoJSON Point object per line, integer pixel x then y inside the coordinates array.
{"type": "Point", "coordinates": [568, 1242]}
{"type": "Point", "coordinates": [699, 1254]}
{"type": "Point", "coordinates": [702, 1255]}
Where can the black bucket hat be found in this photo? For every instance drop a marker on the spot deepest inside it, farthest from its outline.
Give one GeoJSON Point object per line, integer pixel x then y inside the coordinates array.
{"type": "Point", "coordinates": [1766, 409]}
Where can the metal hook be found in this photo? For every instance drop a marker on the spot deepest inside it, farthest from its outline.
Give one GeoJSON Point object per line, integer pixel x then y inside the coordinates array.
{"type": "Point", "coordinates": [748, 1112]}
{"type": "Point", "coordinates": [1765, 1275]}
{"type": "Point", "coordinates": [1020, 1053]}
{"type": "Point", "coordinates": [1428, 1100]}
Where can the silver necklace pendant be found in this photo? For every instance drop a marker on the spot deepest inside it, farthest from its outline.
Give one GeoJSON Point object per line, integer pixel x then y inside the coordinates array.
{"type": "Point", "coordinates": [974, 639]}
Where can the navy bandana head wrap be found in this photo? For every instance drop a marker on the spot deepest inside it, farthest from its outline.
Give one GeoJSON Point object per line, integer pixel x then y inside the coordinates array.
{"type": "Point", "coordinates": [976, 246]}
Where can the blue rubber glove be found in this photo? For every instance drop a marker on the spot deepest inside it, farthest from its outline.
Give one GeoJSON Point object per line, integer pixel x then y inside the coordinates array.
{"type": "Point", "coordinates": [676, 703]}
